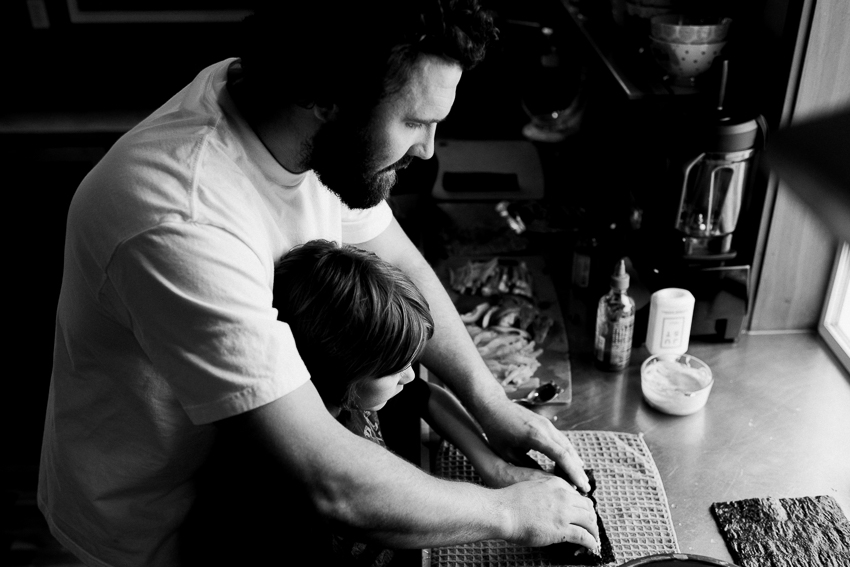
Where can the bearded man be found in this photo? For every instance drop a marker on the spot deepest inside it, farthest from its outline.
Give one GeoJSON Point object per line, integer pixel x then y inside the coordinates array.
{"type": "Point", "coordinates": [165, 331]}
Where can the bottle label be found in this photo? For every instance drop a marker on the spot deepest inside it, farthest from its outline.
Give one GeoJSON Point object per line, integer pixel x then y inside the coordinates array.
{"type": "Point", "coordinates": [614, 341]}
{"type": "Point", "coordinates": [621, 342]}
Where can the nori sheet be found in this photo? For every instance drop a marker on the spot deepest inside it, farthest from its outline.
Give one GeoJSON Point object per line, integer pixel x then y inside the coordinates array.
{"type": "Point", "coordinates": [567, 553]}
{"type": "Point", "coordinates": [785, 532]}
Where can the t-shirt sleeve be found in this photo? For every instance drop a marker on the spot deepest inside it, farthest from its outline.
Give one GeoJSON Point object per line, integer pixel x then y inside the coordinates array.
{"type": "Point", "coordinates": [200, 305]}
{"type": "Point", "coordinates": [361, 225]}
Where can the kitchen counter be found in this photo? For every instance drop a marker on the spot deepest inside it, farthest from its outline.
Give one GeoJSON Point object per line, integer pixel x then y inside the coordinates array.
{"type": "Point", "coordinates": [777, 424]}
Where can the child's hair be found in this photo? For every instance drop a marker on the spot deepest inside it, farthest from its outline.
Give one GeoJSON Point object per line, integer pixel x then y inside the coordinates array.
{"type": "Point", "coordinates": [353, 316]}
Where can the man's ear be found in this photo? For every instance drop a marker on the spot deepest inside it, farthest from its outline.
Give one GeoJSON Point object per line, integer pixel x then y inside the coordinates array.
{"type": "Point", "coordinates": [325, 112]}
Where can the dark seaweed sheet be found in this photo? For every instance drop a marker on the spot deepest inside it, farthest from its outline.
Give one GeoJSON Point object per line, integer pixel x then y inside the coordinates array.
{"type": "Point", "coordinates": [785, 532]}
{"type": "Point", "coordinates": [573, 554]}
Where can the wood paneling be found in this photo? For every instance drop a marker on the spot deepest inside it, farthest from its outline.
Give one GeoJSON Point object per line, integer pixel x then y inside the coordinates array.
{"type": "Point", "coordinates": [796, 268]}
{"type": "Point", "coordinates": [800, 251]}
{"type": "Point", "coordinates": [825, 84]}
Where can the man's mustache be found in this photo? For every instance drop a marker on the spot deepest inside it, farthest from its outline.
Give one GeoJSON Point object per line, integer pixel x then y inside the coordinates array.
{"type": "Point", "coordinates": [400, 164]}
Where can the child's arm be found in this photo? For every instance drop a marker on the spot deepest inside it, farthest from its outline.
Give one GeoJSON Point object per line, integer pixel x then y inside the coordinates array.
{"type": "Point", "coordinates": [445, 414]}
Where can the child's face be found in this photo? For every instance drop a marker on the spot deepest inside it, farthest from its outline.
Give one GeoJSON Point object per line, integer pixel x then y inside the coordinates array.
{"type": "Point", "coordinates": [374, 393]}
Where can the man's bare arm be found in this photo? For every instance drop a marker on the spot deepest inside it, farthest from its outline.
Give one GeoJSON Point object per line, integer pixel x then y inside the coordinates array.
{"type": "Point", "coordinates": [370, 493]}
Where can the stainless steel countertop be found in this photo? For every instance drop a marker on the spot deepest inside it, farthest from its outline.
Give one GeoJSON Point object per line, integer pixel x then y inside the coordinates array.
{"type": "Point", "coordinates": [777, 424]}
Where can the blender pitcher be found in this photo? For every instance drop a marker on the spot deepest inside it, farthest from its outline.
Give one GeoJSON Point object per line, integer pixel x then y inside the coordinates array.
{"type": "Point", "coordinates": [713, 188]}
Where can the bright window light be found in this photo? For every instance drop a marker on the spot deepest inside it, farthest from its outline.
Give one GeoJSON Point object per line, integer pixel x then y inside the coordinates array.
{"type": "Point", "coordinates": [835, 321]}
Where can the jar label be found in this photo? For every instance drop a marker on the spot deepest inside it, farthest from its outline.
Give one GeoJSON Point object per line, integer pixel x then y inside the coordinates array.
{"type": "Point", "coordinates": [672, 332]}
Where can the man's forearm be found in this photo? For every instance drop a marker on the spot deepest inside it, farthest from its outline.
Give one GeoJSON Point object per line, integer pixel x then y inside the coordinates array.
{"type": "Point", "coordinates": [450, 354]}
{"type": "Point", "coordinates": [363, 489]}
{"type": "Point", "coordinates": [404, 507]}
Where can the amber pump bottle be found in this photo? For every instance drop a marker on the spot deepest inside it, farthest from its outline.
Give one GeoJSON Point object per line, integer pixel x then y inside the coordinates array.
{"type": "Point", "coordinates": [615, 321]}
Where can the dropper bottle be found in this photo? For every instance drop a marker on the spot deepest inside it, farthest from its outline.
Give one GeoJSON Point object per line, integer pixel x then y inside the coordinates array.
{"type": "Point", "coordinates": [615, 321]}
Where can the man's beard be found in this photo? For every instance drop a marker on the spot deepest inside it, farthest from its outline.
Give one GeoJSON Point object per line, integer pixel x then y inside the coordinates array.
{"type": "Point", "coordinates": [344, 158]}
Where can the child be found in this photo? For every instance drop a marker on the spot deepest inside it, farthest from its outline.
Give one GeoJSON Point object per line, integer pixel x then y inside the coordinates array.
{"type": "Point", "coordinates": [359, 324]}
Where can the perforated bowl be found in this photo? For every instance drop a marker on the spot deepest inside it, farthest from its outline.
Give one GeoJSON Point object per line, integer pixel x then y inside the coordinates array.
{"type": "Point", "coordinates": [684, 60]}
{"type": "Point", "coordinates": [678, 28]}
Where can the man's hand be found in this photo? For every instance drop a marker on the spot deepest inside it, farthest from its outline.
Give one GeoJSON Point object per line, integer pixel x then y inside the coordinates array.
{"type": "Point", "coordinates": [547, 511]}
{"type": "Point", "coordinates": [513, 430]}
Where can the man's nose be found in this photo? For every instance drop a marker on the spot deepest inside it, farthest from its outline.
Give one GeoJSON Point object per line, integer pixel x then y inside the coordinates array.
{"type": "Point", "coordinates": [424, 148]}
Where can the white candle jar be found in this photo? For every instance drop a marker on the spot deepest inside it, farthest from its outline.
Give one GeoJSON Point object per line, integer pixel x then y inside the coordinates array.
{"type": "Point", "coordinates": [671, 311]}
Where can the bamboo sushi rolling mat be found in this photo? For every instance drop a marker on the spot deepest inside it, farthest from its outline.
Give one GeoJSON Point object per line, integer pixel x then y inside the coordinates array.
{"type": "Point", "coordinates": [630, 501]}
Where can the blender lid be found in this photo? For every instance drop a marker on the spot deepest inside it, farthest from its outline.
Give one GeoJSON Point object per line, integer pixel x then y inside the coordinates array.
{"type": "Point", "coordinates": [730, 126]}
{"type": "Point", "coordinates": [730, 134]}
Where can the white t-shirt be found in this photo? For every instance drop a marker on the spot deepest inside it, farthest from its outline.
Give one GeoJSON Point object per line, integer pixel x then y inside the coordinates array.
{"type": "Point", "coordinates": [165, 320]}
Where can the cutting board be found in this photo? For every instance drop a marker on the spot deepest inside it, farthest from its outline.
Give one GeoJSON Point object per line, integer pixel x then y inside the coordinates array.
{"type": "Point", "coordinates": [555, 358]}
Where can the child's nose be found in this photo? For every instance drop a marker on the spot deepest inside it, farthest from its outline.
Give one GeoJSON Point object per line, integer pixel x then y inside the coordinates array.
{"type": "Point", "coordinates": [407, 376]}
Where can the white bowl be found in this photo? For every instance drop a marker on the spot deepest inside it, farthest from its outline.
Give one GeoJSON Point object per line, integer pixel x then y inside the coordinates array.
{"type": "Point", "coordinates": [684, 60]}
{"type": "Point", "coordinates": [676, 384]}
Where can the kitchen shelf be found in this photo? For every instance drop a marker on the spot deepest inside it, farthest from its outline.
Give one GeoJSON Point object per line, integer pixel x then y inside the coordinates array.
{"type": "Point", "coordinates": [628, 63]}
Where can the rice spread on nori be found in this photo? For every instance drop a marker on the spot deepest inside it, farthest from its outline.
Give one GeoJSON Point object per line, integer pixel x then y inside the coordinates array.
{"type": "Point", "coordinates": [573, 554]}
{"type": "Point", "coordinates": [785, 532]}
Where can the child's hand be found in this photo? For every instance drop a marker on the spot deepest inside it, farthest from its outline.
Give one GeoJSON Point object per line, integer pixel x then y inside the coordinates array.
{"type": "Point", "coordinates": [503, 474]}
{"type": "Point", "coordinates": [513, 430]}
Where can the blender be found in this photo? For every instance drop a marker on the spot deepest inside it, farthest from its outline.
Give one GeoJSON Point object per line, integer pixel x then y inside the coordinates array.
{"type": "Point", "coordinates": [713, 191]}
{"type": "Point", "coordinates": [714, 182]}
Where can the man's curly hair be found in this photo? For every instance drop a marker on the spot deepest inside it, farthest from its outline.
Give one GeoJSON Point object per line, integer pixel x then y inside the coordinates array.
{"type": "Point", "coordinates": [355, 52]}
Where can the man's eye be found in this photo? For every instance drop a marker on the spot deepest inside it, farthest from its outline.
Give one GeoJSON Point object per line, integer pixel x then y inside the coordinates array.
{"type": "Point", "coordinates": [414, 125]}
